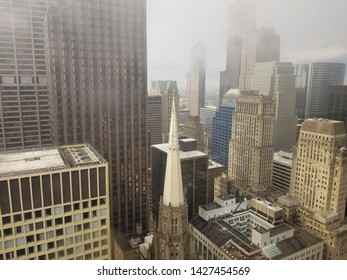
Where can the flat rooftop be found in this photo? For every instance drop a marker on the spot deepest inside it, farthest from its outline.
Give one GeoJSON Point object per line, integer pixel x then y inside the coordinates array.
{"type": "Point", "coordinates": [28, 161]}
{"type": "Point", "coordinates": [47, 159]}
{"type": "Point", "coordinates": [183, 155]}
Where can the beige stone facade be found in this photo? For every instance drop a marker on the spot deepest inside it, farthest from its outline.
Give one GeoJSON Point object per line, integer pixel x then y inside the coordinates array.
{"type": "Point", "coordinates": [319, 183]}
{"type": "Point", "coordinates": [251, 146]}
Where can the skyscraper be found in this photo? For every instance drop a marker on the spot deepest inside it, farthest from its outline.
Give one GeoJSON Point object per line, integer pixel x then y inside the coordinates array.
{"type": "Point", "coordinates": [321, 75]}
{"type": "Point", "coordinates": [251, 147]}
{"type": "Point", "coordinates": [24, 120]}
{"type": "Point", "coordinates": [196, 80]}
{"type": "Point", "coordinates": [96, 65]}
{"type": "Point", "coordinates": [169, 92]}
{"type": "Point", "coordinates": [300, 73]}
{"type": "Point", "coordinates": [260, 46]}
{"type": "Point", "coordinates": [319, 183]}
{"type": "Point", "coordinates": [242, 21]}
{"type": "Point", "coordinates": [206, 116]}
{"type": "Point", "coordinates": [276, 79]}
{"type": "Point", "coordinates": [337, 104]}
{"type": "Point", "coordinates": [171, 236]}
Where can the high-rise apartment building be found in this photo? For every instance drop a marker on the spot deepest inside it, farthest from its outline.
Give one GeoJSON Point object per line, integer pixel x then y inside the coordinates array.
{"type": "Point", "coordinates": [154, 118]}
{"type": "Point", "coordinates": [251, 146]}
{"type": "Point", "coordinates": [196, 79]}
{"type": "Point", "coordinates": [242, 21]}
{"type": "Point", "coordinates": [276, 79]}
{"type": "Point", "coordinates": [319, 183]}
{"type": "Point", "coordinates": [337, 103]}
{"type": "Point", "coordinates": [55, 204]}
{"type": "Point", "coordinates": [96, 65]}
{"type": "Point", "coordinates": [24, 120]}
{"type": "Point", "coordinates": [260, 46]}
{"type": "Point", "coordinates": [169, 92]}
{"type": "Point", "coordinates": [171, 235]}
{"type": "Point", "coordinates": [321, 75]}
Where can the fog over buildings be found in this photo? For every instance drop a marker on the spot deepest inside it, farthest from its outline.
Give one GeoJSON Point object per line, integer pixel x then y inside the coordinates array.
{"type": "Point", "coordinates": [310, 30]}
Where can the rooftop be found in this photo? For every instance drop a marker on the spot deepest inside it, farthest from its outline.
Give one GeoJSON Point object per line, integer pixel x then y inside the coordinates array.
{"type": "Point", "coordinates": [47, 159]}
{"type": "Point", "coordinates": [28, 161]}
{"type": "Point", "coordinates": [183, 155]}
{"type": "Point", "coordinates": [323, 126]}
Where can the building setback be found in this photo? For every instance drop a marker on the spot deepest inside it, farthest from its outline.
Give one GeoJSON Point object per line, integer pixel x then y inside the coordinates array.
{"type": "Point", "coordinates": [54, 204]}
{"type": "Point", "coordinates": [96, 65]}
{"type": "Point", "coordinates": [24, 120]}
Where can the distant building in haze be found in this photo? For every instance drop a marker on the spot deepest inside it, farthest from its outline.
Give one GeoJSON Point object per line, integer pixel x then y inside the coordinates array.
{"type": "Point", "coordinates": [301, 75]}
{"type": "Point", "coordinates": [337, 104]}
{"type": "Point", "coordinates": [276, 79]}
{"type": "Point", "coordinates": [169, 92]}
{"type": "Point", "coordinates": [321, 75]}
{"type": "Point", "coordinates": [241, 21]}
{"type": "Point", "coordinates": [260, 46]}
{"type": "Point", "coordinates": [196, 80]}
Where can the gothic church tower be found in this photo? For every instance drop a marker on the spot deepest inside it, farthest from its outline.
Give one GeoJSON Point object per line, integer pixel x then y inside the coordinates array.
{"type": "Point", "coordinates": [172, 238]}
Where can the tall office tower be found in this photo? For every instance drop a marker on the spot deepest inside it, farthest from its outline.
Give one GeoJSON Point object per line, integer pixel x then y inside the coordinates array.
{"type": "Point", "coordinates": [195, 174]}
{"type": "Point", "coordinates": [320, 76]}
{"type": "Point", "coordinates": [206, 116]}
{"type": "Point", "coordinates": [172, 238]}
{"type": "Point", "coordinates": [319, 183]}
{"type": "Point", "coordinates": [196, 80]}
{"type": "Point", "coordinates": [251, 146]}
{"type": "Point", "coordinates": [169, 92]}
{"type": "Point", "coordinates": [260, 46]}
{"type": "Point", "coordinates": [154, 118]}
{"type": "Point", "coordinates": [276, 79]}
{"type": "Point", "coordinates": [337, 103]}
{"type": "Point", "coordinates": [193, 128]}
{"type": "Point", "coordinates": [242, 20]}
{"type": "Point", "coordinates": [96, 65]}
{"type": "Point", "coordinates": [301, 75]}
{"type": "Point", "coordinates": [221, 129]}
{"type": "Point", "coordinates": [54, 204]}
{"type": "Point", "coordinates": [24, 120]}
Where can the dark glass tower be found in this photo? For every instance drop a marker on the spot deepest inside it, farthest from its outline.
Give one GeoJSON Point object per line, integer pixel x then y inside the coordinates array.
{"type": "Point", "coordinates": [96, 65]}
{"type": "Point", "coordinates": [24, 121]}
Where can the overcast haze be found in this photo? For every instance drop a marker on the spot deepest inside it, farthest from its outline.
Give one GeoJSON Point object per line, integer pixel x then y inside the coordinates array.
{"type": "Point", "coordinates": [310, 30]}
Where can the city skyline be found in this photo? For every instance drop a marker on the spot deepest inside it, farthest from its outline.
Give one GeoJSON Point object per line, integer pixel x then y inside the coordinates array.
{"type": "Point", "coordinates": [311, 31]}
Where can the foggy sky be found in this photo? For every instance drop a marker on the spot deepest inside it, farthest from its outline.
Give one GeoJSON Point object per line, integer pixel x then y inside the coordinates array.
{"type": "Point", "coordinates": [310, 30]}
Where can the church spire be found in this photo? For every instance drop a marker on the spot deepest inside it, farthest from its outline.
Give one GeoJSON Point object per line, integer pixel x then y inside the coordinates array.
{"type": "Point", "coordinates": [173, 187]}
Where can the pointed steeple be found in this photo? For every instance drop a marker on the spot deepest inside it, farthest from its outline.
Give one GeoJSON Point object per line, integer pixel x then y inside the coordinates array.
{"type": "Point", "coordinates": [173, 187]}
